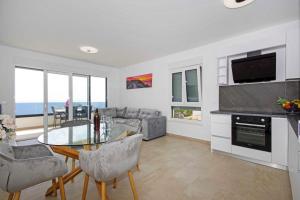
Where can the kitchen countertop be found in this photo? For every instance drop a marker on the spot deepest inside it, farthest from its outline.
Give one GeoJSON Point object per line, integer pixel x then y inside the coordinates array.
{"type": "Point", "coordinates": [266, 114]}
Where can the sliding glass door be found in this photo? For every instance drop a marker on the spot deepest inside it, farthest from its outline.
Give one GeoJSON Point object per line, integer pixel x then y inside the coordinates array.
{"type": "Point", "coordinates": [80, 97]}
{"type": "Point", "coordinates": [46, 99]}
{"type": "Point", "coordinates": [58, 98]}
{"type": "Point", "coordinates": [29, 98]}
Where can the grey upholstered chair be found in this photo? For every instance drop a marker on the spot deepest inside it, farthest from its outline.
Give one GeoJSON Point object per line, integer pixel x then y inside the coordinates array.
{"type": "Point", "coordinates": [111, 161]}
{"type": "Point", "coordinates": [24, 166]}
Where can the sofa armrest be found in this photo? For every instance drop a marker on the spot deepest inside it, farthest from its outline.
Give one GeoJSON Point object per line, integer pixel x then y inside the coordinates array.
{"type": "Point", "coordinates": [154, 127]}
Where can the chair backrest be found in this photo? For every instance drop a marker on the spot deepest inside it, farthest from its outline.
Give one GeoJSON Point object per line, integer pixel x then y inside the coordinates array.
{"type": "Point", "coordinates": [117, 157]}
{"type": "Point", "coordinates": [53, 109]}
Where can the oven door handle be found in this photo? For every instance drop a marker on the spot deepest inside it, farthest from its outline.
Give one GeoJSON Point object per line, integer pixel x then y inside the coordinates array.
{"type": "Point", "coordinates": [246, 124]}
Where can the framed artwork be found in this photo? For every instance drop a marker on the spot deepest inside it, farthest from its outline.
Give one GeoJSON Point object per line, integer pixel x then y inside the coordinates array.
{"type": "Point", "coordinates": [141, 81]}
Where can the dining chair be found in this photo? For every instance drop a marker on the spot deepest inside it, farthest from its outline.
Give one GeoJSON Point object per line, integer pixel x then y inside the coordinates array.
{"type": "Point", "coordinates": [70, 124]}
{"type": "Point", "coordinates": [22, 167]}
{"type": "Point", "coordinates": [110, 161]}
{"type": "Point", "coordinates": [58, 115]}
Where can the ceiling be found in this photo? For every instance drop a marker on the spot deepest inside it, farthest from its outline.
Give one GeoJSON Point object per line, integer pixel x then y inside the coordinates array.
{"type": "Point", "coordinates": [131, 31]}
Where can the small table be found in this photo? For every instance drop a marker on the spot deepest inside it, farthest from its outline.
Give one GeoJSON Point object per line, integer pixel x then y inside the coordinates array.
{"type": "Point", "coordinates": [61, 141]}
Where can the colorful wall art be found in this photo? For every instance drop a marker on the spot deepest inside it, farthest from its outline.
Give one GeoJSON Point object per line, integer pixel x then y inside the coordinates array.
{"type": "Point", "coordinates": [141, 81]}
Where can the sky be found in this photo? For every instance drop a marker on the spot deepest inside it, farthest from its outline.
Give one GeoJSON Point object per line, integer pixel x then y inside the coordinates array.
{"type": "Point", "coordinates": [29, 87]}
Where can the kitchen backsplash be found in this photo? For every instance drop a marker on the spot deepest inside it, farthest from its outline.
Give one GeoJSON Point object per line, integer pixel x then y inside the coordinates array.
{"type": "Point", "coordinates": [259, 97]}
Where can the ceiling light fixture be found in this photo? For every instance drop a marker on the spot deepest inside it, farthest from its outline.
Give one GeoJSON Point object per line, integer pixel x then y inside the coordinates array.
{"type": "Point", "coordinates": [88, 49]}
{"type": "Point", "coordinates": [237, 3]}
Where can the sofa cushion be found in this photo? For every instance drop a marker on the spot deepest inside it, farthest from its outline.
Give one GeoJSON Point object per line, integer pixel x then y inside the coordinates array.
{"type": "Point", "coordinates": [147, 113]}
{"type": "Point", "coordinates": [133, 122]}
{"type": "Point", "coordinates": [111, 112]}
{"type": "Point", "coordinates": [121, 112]}
{"type": "Point", "coordinates": [132, 113]}
{"type": "Point", "coordinates": [119, 120]}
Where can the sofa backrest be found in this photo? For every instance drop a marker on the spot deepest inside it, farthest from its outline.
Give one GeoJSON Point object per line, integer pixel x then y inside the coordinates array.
{"type": "Point", "coordinates": [111, 112]}
{"type": "Point", "coordinates": [132, 113]}
{"type": "Point", "coordinates": [148, 113]}
{"type": "Point", "coordinates": [121, 112]}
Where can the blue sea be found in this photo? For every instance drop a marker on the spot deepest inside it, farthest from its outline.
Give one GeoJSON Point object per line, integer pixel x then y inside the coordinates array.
{"type": "Point", "coordinates": [37, 108]}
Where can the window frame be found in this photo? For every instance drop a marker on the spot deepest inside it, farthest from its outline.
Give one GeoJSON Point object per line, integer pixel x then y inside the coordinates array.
{"type": "Point", "coordinates": [184, 101]}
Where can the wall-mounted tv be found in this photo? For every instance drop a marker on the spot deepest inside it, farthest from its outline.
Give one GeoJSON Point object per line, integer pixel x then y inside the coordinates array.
{"type": "Point", "coordinates": [254, 69]}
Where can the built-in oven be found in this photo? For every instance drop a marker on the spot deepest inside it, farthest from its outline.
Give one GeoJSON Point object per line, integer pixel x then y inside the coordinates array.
{"type": "Point", "coordinates": [252, 132]}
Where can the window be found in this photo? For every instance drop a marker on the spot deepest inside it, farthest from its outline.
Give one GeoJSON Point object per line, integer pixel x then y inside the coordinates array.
{"type": "Point", "coordinates": [177, 87]}
{"type": "Point", "coordinates": [37, 89]}
{"type": "Point", "coordinates": [186, 93]}
{"type": "Point", "coordinates": [189, 113]}
{"type": "Point", "coordinates": [29, 92]}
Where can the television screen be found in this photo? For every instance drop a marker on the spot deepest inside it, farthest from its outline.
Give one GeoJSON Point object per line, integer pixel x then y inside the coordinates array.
{"type": "Point", "coordinates": [254, 69]}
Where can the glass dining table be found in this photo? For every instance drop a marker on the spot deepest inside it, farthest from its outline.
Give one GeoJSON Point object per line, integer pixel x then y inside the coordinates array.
{"type": "Point", "coordinates": [65, 141]}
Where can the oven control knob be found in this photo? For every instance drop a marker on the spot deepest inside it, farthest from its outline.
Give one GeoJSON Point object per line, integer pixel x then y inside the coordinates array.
{"type": "Point", "coordinates": [262, 120]}
{"type": "Point", "coordinates": [237, 118]}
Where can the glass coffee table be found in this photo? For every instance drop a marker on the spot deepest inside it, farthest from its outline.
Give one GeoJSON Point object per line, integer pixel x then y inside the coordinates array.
{"type": "Point", "coordinates": [61, 141]}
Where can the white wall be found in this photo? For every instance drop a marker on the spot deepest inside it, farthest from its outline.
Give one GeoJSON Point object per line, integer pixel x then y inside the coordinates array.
{"type": "Point", "coordinates": [158, 96]}
{"type": "Point", "coordinates": [11, 57]}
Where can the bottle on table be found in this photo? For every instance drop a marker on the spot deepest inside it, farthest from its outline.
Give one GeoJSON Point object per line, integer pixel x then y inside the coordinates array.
{"type": "Point", "coordinates": [96, 120]}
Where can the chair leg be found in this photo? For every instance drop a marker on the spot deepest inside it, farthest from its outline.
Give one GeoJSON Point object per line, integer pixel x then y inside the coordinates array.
{"type": "Point", "coordinates": [17, 195]}
{"type": "Point", "coordinates": [85, 186]}
{"type": "Point", "coordinates": [73, 167]}
{"type": "Point", "coordinates": [54, 187]}
{"type": "Point", "coordinates": [11, 196]}
{"type": "Point", "coordinates": [135, 195]}
{"type": "Point", "coordinates": [66, 159]}
{"type": "Point", "coordinates": [103, 191]}
{"type": "Point", "coordinates": [61, 188]}
{"type": "Point", "coordinates": [98, 186]}
{"type": "Point", "coordinates": [115, 183]}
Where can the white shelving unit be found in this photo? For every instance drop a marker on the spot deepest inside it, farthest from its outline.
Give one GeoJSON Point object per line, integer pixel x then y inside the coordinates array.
{"type": "Point", "coordinates": [222, 71]}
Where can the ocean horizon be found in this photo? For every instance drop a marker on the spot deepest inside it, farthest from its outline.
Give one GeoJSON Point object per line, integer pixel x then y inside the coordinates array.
{"type": "Point", "coordinates": [37, 108]}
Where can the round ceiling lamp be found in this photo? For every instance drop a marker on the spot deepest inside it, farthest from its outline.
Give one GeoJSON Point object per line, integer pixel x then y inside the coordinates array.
{"type": "Point", "coordinates": [237, 3]}
{"type": "Point", "coordinates": [88, 49]}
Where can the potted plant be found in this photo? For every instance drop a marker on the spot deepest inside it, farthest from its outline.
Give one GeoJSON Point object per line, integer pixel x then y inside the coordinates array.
{"type": "Point", "coordinates": [7, 127]}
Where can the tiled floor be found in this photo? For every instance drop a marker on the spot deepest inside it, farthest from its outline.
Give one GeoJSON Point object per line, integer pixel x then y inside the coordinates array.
{"type": "Point", "coordinates": [178, 169]}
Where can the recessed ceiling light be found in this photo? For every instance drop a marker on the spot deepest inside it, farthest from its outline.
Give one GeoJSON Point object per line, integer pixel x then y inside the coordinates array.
{"type": "Point", "coordinates": [237, 3]}
{"type": "Point", "coordinates": [88, 49]}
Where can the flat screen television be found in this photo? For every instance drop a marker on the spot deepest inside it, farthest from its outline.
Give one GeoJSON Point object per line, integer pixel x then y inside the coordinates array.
{"type": "Point", "coordinates": [254, 69]}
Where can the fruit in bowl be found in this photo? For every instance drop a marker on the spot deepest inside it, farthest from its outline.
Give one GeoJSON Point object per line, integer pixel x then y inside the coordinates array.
{"type": "Point", "coordinates": [289, 105]}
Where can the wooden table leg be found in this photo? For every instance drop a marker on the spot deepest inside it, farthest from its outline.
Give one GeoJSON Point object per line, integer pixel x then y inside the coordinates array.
{"type": "Point", "coordinates": [66, 178]}
{"type": "Point", "coordinates": [11, 196]}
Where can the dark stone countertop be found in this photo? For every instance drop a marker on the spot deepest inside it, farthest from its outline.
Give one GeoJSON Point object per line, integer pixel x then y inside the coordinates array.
{"type": "Point", "coordinates": [265, 114]}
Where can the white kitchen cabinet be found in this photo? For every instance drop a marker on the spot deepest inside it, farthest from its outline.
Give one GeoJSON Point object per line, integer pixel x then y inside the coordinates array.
{"type": "Point", "coordinates": [221, 132]}
{"type": "Point", "coordinates": [220, 118]}
{"type": "Point", "coordinates": [221, 144]}
{"type": "Point", "coordinates": [251, 153]}
{"type": "Point", "coordinates": [279, 141]}
{"type": "Point", "coordinates": [293, 163]}
{"type": "Point", "coordinates": [292, 53]}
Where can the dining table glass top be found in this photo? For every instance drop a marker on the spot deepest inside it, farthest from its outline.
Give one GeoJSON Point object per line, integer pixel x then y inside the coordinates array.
{"type": "Point", "coordinates": [82, 135]}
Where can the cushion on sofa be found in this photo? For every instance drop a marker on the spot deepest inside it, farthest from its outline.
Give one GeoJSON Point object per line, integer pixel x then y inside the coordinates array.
{"type": "Point", "coordinates": [148, 113]}
{"type": "Point", "coordinates": [132, 113]}
{"type": "Point", "coordinates": [133, 122]}
{"type": "Point", "coordinates": [121, 112]}
{"type": "Point", "coordinates": [119, 120]}
{"type": "Point", "coordinates": [112, 112]}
